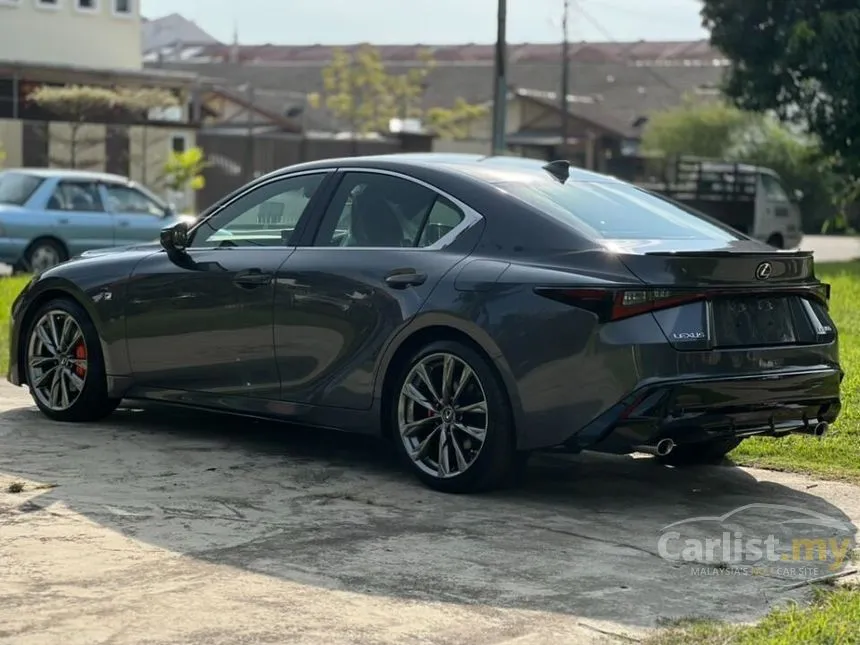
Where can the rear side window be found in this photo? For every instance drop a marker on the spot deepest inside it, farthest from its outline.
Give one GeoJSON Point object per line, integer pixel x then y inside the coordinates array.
{"type": "Point", "coordinates": [617, 211]}
{"type": "Point", "coordinates": [16, 187]}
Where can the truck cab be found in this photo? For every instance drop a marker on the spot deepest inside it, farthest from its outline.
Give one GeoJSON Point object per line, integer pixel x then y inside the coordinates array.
{"type": "Point", "coordinates": [777, 216]}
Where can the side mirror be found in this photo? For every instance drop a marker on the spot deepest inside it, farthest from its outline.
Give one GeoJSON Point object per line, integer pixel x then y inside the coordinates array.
{"type": "Point", "coordinates": [798, 195]}
{"type": "Point", "coordinates": [174, 239]}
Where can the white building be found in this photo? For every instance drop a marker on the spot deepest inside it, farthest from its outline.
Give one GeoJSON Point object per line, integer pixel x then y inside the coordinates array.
{"type": "Point", "coordinates": [85, 33]}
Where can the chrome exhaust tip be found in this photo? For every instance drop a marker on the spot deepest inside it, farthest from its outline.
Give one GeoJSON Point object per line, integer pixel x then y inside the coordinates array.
{"type": "Point", "coordinates": [659, 449]}
{"type": "Point", "coordinates": [820, 429]}
{"type": "Point", "coordinates": [664, 447]}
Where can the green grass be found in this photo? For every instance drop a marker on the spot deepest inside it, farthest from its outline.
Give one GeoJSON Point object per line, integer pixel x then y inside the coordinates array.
{"type": "Point", "coordinates": [833, 618]}
{"type": "Point", "coordinates": [9, 289]}
{"type": "Point", "coordinates": [838, 455]}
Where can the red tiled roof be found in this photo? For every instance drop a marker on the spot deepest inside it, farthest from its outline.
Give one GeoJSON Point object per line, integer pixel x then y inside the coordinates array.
{"type": "Point", "coordinates": [591, 52]}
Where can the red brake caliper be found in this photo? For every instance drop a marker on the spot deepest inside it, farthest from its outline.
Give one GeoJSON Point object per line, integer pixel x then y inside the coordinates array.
{"type": "Point", "coordinates": [80, 354]}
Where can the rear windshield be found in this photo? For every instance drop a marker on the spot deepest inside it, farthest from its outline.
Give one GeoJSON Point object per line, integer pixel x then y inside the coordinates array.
{"type": "Point", "coordinates": [617, 211]}
{"type": "Point", "coordinates": [16, 187]}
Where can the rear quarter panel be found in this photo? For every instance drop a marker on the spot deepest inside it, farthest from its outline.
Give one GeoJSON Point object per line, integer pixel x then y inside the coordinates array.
{"type": "Point", "coordinates": [559, 366]}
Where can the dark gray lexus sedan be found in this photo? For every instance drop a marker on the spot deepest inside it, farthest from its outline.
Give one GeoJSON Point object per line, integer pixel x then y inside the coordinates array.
{"type": "Point", "coordinates": [468, 309]}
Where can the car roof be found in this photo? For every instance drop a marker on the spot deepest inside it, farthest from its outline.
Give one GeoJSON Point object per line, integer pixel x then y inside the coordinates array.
{"type": "Point", "coordinates": [484, 168]}
{"type": "Point", "coordinates": [63, 173]}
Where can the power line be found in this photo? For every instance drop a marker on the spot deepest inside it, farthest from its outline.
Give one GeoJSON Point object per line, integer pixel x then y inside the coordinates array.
{"type": "Point", "coordinates": [597, 25]}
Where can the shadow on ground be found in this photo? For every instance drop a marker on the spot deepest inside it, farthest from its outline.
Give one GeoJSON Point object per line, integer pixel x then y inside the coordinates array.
{"type": "Point", "coordinates": [335, 511]}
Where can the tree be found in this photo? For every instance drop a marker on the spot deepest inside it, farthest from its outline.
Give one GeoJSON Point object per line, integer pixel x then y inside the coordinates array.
{"type": "Point", "coordinates": [82, 104]}
{"type": "Point", "coordinates": [361, 91]}
{"type": "Point", "coordinates": [184, 170]}
{"type": "Point", "coordinates": [696, 128]}
{"type": "Point", "coordinates": [2, 154]}
{"type": "Point", "coordinates": [453, 122]}
{"type": "Point", "coordinates": [797, 58]}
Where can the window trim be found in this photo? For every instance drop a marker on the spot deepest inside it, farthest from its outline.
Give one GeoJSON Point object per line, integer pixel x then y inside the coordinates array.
{"type": "Point", "coordinates": [123, 14]}
{"type": "Point", "coordinates": [251, 187]}
{"type": "Point", "coordinates": [470, 215]}
{"type": "Point", "coordinates": [46, 6]}
{"type": "Point", "coordinates": [10, 3]}
{"type": "Point", "coordinates": [87, 10]}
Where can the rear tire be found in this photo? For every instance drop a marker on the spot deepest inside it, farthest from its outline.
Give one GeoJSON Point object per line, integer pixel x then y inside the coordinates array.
{"type": "Point", "coordinates": [43, 254]}
{"type": "Point", "coordinates": [700, 454]}
{"type": "Point", "coordinates": [63, 362]}
{"type": "Point", "coordinates": [468, 413]}
{"type": "Point", "coordinates": [776, 240]}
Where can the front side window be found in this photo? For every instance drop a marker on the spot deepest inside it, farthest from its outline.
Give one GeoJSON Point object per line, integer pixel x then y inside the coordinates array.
{"type": "Point", "coordinates": [773, 190]}
{"type": "Point", "coordinates": [374, 210]}
{"type": "Point", "coordinates": [17, 187]}
{"type": "Point", "coordinates": [617, 211]}
{"type": "Point", "coordinates": [77, 196]}
{"type": "Point", "coordinates": [126, 200]}
{"type": "Point", "coordinates": [267, 216]}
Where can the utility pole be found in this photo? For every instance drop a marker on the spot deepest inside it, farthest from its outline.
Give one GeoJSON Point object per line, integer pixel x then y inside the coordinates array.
{"type": "Point", "coordinates": [500, 96]}
{"type": "Point", "coordinates": [565, 68]}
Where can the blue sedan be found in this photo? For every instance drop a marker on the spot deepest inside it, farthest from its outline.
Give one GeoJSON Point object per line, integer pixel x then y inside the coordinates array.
{"type": "Point", "coordinates": [48, 216]}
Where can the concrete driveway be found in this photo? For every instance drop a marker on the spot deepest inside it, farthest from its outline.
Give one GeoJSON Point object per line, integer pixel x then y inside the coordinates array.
{"type": "Point", "coordinates": [832, 248]}
{"type": "Point", "coordinates": [166, 526]}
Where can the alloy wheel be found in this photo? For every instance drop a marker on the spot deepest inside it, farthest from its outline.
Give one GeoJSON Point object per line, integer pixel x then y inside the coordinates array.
{"type": "Point", "coordinates": [57, 360]}
{"type": "Point", "coordinates": [442, 415]}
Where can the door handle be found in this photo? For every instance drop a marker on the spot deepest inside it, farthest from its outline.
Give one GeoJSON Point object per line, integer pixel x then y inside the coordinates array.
{"type": "Point", "coordinates": [252, 278]}
{"type": "Point", "coordinates": [402, 278]}
{"type": "Point", "coordinates": [123, 223]}
{"type": "Point", "coordinates": [64, 220]}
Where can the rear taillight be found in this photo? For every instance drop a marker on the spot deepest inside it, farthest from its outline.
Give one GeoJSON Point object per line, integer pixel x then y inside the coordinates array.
{"type": "Point", "coordinates": [615, 304]}
{"type": "Point", "coordinates": [823, 293]}
{"type": "Point", "coordinates": [618, 303]}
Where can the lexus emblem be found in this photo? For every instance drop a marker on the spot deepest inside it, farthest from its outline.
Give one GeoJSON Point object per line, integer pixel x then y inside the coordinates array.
{"type": "Point", "coordinates": [763, 271]}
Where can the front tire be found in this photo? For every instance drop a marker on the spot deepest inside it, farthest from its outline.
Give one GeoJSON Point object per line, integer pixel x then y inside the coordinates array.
{"type": "Point", "coordinates": [44, 254]}
{"type": "Point", "coordinates": [64, 364]}
{"type": "Point", "coordinates": [451, 420]}
{"type": "Point", "coordinates": [701, 453]}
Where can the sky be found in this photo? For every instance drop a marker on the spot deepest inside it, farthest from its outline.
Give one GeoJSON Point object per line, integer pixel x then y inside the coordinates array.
{"type": "Point", "coordinates": [331, 22]}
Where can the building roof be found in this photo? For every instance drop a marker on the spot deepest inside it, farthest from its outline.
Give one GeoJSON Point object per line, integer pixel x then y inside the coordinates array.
{"type": "Point", "coordinates": [51, 72]}
{"type": "Point", "coordinates": [172, 30]}
{"type": "Point", "coordinates": [619, 94]}
{"type": "Point", "coordinates": [591, 52]}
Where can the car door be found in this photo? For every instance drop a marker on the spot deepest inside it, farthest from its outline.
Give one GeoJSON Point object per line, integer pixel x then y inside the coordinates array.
{"type": "Point", "coordinates": [137, 217]}
{"type": "Point", "coordinates": [383, 244]}
{"type": "Point", "coordinates": [78, 216]}
{"type": "Point", "coordinates": [201, 320]}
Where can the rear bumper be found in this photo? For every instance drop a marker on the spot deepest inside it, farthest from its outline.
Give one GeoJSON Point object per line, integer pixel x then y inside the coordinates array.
{"type": "Point", "coordinates": [699, 409]}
